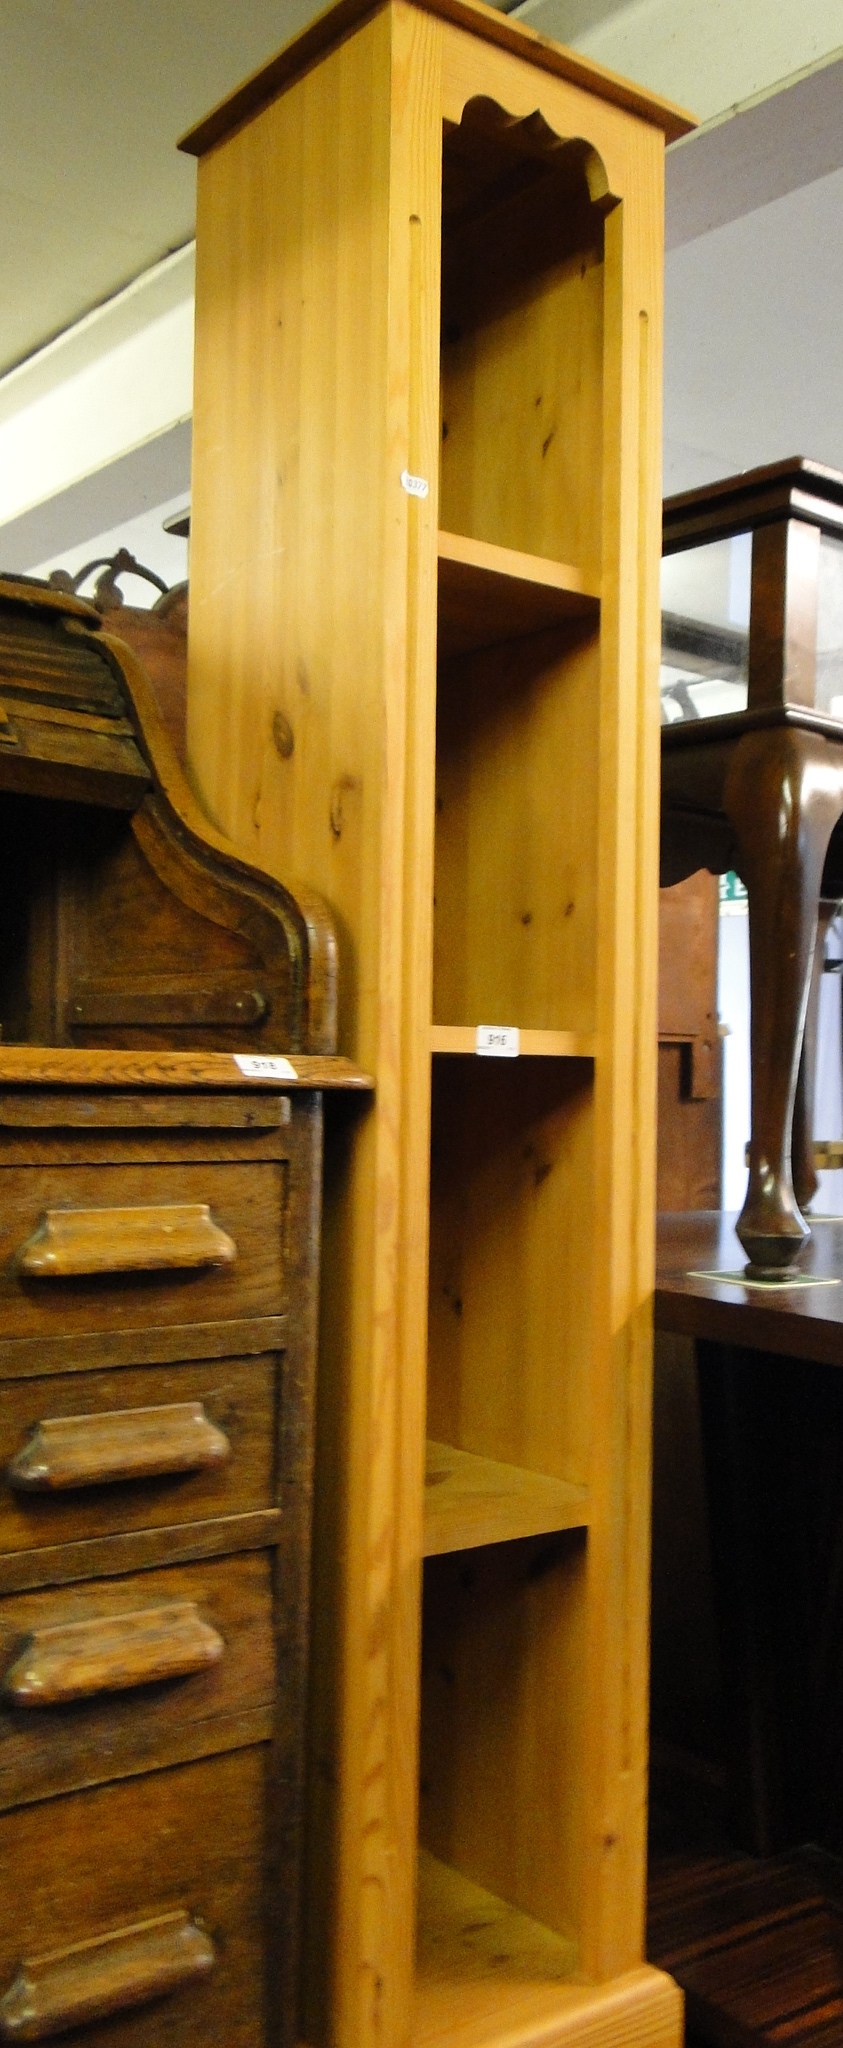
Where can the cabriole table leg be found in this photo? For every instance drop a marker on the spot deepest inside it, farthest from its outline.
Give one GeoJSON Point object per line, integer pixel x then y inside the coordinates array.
{"type": "Point", "coordinates": [783, 796]}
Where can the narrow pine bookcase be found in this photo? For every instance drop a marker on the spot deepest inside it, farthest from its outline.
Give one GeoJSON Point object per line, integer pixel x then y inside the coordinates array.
{"type": "Point", "coordinates": [423, 641]}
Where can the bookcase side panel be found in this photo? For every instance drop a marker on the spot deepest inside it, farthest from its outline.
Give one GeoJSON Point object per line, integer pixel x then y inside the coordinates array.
{"type": "Point", "coordinates": [311, 689]}
{"type": "Point", "coordinates": [615, 1675]}
{"type": "Point", "coordinates": [288, 622]}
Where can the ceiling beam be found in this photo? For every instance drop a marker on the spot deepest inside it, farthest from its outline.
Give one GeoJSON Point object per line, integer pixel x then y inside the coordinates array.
{"type": "Point", "coordinates": [116, 381]}
{"type": "Point", "coordinates": [774, 146]}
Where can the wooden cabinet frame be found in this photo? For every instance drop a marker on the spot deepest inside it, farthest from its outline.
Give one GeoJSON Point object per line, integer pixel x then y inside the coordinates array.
{"type": "Point", "coordinates": [328, 428]}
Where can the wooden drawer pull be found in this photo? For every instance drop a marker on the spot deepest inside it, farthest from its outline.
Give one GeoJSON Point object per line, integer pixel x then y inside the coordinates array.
{"type": "Point", "coordinates": [73, 1986]}
{"type": "Point", "coordinates": [67, 1451]}
{"type": "Point", "coordinates": [110, 1653]}
{"type": "Point", "coordinates": [70, 1243]}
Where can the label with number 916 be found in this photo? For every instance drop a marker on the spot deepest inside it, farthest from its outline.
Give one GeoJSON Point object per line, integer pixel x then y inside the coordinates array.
{"type": "Point", "coordinates": [498, 1041]}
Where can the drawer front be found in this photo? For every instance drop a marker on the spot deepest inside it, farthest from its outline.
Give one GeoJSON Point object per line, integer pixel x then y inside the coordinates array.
{"type": "Point", "coordinates": [122, 1246]}
{"type": "Point", "coordinates": [237, 1398]}
{"type": "Point", "coordinates": [133, 1914]}
{"type": "Point", "coordinates": [101, 1679]}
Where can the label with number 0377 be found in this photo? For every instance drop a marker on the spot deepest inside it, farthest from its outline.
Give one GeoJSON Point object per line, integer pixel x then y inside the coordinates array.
{"type": "Point", "coordinates": [498, 1041]}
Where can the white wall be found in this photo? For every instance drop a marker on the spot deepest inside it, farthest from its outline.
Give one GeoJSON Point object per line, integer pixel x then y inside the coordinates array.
{"type": "Point", "coordinates": [733, 1010]}
{"type": "Point", "coordinates": [144, 537]}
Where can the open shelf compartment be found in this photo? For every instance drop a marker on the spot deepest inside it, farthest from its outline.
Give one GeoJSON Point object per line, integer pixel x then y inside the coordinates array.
{"type": "Point", "coordinates": [503, 1651]}
{"type": "Point", "coordinates": [479, 1960]}
{"type": "Point", "coordinates": [522, 341]}
{"type": "Point", "coordinates": [510, 1316]}
{"type": "Point", "coordinates": [518, 695]}
{"type": "Point", "coordinates": [489, 594]}
{"type": "Point", "coordinates": [515, 880]}
{"type": "Point", "coordinates": [470, 1501]}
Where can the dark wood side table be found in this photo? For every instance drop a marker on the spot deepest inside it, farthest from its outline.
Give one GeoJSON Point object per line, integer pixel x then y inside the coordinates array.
{"type": "Point", "coordinates": [752, 1929]}
{"type": "Point", "coordinates": [772, 1414]}
{"type": "Point", "coordinates": [754, 620]}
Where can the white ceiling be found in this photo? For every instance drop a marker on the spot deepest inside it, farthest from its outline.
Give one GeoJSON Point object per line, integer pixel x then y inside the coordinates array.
{"type": "Point", "coordinates": [92, 191]}
{"type": "Point", "coordinates": [93, 97]}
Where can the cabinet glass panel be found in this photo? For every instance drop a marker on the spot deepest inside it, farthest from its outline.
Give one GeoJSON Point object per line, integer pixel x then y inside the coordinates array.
{"type": "Point", "coordinates": [829, 690]}
{"type": "Point", "coordinates": [705, 630]}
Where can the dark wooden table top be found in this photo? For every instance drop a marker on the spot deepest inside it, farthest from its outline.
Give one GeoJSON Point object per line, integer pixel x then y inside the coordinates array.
{"type": "Point", "coordinates": [801, 1322]}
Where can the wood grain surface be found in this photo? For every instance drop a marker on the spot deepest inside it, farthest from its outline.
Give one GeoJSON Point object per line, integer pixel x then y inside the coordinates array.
{"type": "Point", "coordinates": [123, 1854]}
{"type": "Point", "coordinates": [76, 1109]}
{"type": "Point", "coordinates": [142, 1549]}
{"type": "Point", "coordinates": [104, 1451]}
{"type": "Point", "coordinates": [76, 1243]}
{"type": "Point", "coordinates": [76, 1660]}
{"type": "Point", "coordinates": [755, 1945]}
{"type": "Point", "coordinates": [247, 1202]}
{"type": "Point", "coordinates": [488, 594]}
{"type": "Point", "coordinates": [800, 1322]}
{"type": "Point", "coordinates": [544, 1045]}
{"type": "Point", "coordinates": [66, 1066]}
{"type": "Point", "coordinates": [106, 1679]}
{"type": "Point", "coordinates": [130, 1967]}
{"type": "Point", "coordinates": [518, 38]}
{"type": "Point", "coordinates": [470, 1501]}
{"type": "Point", "coordinates": [72, 1451]}
{"type": "Point", "coordinates": [494, 332]}
{"type": "Point", "coordinates": [488, 1973]}
{"type": "Point", "coordinates": [156, 1422]}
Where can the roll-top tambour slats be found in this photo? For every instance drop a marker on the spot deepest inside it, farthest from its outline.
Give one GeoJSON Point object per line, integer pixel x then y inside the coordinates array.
{"type": "Point", "coordinates": [66, 1451]}
{"type": "Point", "coordinates": [41, 655]}
{"type": "Point", "coordinates": [74, 1986]}
{"type": "Point", "coordinates": [71, 1243]}
{"type": "Point", "coordinates": [111, 1653]}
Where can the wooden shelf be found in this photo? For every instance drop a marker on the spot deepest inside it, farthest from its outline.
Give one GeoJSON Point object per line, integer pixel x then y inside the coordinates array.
{"type": "Point", "coordinates": [545, 1045]}
{"type": "Point", "coordinates": [469, 1501]}
{"type": "Point", "coordinates": [489, 594]}
{"type": "Point", "coordinates": [480, 1961]}
{"type": "Point", "coordinates": [490, 1977]}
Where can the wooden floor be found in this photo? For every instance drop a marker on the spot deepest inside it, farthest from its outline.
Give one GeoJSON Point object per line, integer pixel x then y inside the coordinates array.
{"type": "Point", "coordinates": [757, 1946]}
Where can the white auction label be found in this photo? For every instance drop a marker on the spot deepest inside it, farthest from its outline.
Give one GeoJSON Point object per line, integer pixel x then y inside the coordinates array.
{"type": "Point", "coordinates": [498, 1041]}
{"type": "Point", "coordinates": [415, 486]}
{"type": "Point", "coordinates": [264, 1066]}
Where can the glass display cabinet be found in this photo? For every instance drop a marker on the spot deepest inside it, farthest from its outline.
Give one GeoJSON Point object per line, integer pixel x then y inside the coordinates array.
{"type": "Point", "coordinates": [752, 779]}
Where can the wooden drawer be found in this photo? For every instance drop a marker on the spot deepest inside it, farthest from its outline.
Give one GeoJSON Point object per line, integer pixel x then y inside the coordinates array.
{"type": "Point", "coordinates": [107, 1678]}
{"type": "Point", "coordinates": [238, 1398]}
{"type": "Point", "coordinates": [246, 1204]}
{"type": "Point", "coordinates": [107, 1863]}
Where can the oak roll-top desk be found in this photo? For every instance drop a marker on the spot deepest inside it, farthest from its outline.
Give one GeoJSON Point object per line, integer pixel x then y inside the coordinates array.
{"type": "Point", "coordinates": [168, 1019]}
